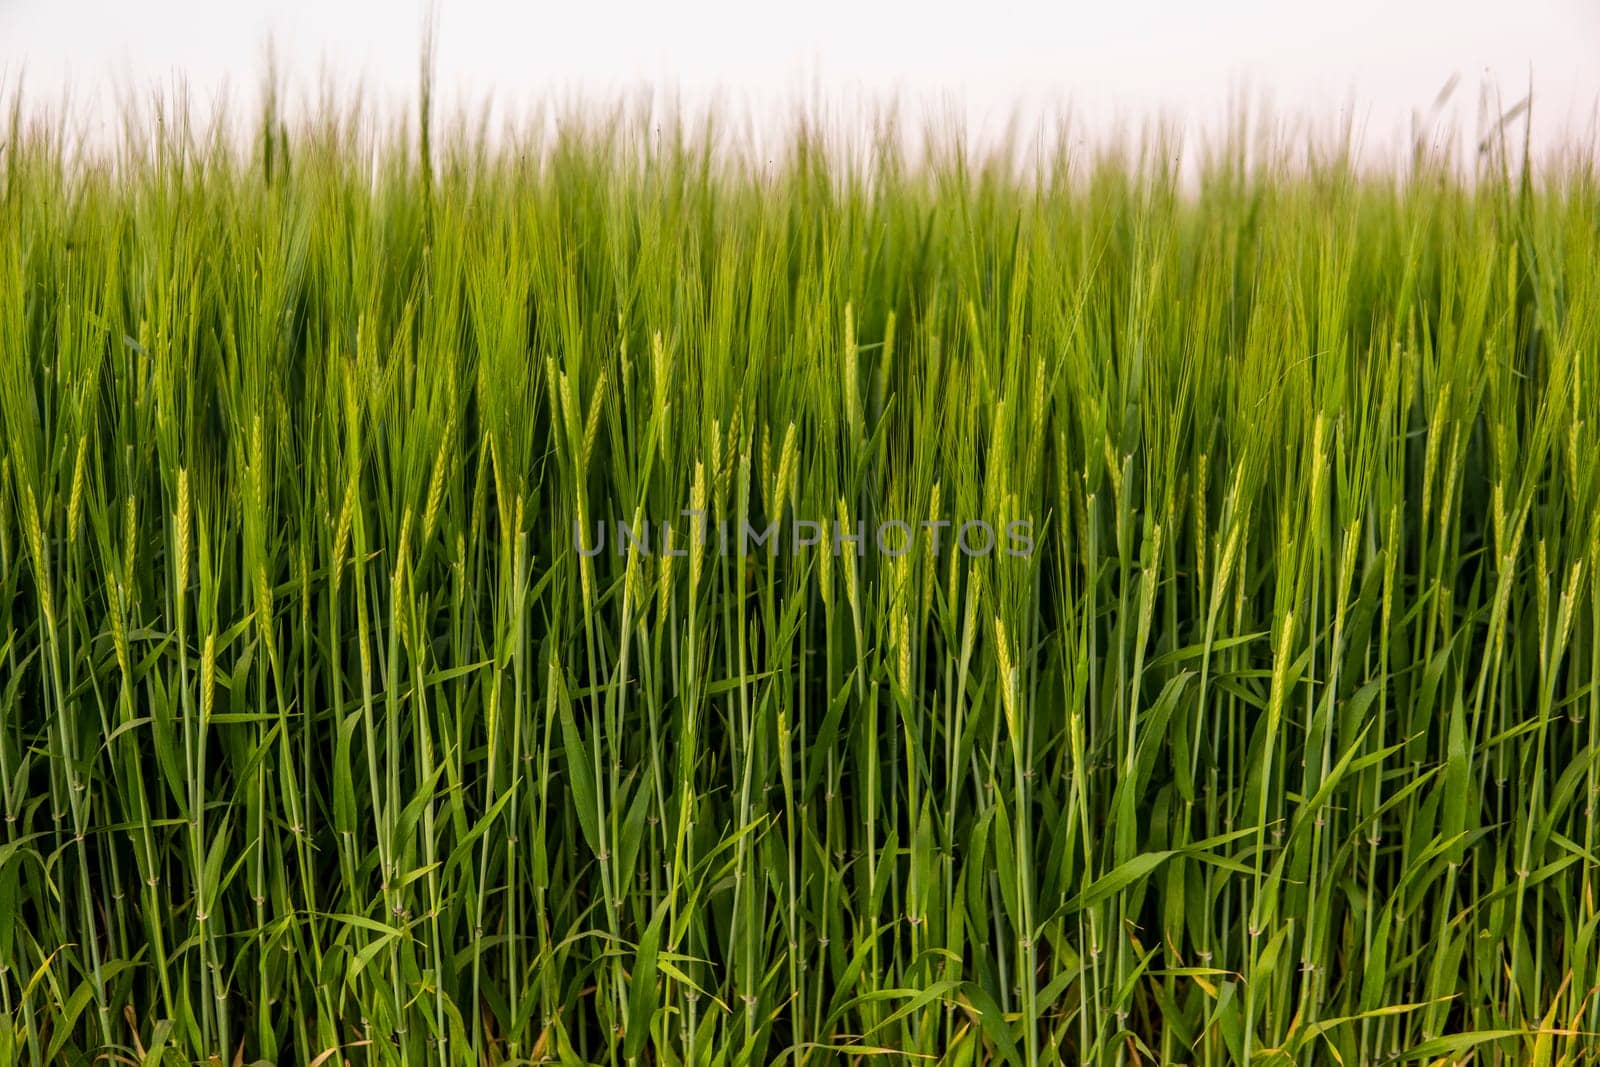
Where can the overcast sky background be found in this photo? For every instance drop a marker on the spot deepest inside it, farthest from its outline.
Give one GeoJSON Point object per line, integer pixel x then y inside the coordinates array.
{"type": "Point", "coordinates": [1115, 63]}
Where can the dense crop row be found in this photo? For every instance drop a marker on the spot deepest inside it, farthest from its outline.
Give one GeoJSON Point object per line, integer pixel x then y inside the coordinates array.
{"type": "Point", "coordinates": [319, 735]}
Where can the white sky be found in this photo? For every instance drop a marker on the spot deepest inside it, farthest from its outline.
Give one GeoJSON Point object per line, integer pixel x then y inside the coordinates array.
{"type": "Point", "coordinates": [1112, 62]}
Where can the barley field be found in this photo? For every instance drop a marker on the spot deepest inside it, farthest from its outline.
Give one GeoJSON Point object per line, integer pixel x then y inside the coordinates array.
{"type": "Point", "coordinates": [1265, 729]}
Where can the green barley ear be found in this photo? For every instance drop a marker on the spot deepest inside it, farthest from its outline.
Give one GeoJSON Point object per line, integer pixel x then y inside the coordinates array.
{"type": "Point", "coordinates": [1113, 468]}
{"type": "Point", "coordinates": [849, 566]}
{"type": "Point", "coordinates": [852, 387]}
{"type": "Point", "coordinates": [1541, 564]}
{"type": "Point", "coordinates": [730, 450]}
{"type": "Point", "coordinates": [569, 417]}
{"type": "Point", "coordinates": [633, 571]}
{"type": "Point", "coordinates": [664, 578]}
{"type": "Point", "coordinates": [903, 665]}
{"type": "Point", "coordinates": [208, 676]}
{"type": "Point", "coordinates": [1430, 461]}
{"type": "Point", "coordinates": [1594, 557]}
{"type": "Point", "coordinates": [119, 632]}
{"type": "Point", "coordinates": [341, 531]}
{"type": "Point", "coordinates": [130, 538]}
{"type": "Point", "coordinates": [714, 460]}
{"type": "Point", "coordinates": [659, 372]}
{"type": "Point", "coordinates": [75, 500]}
{"type": "Point", "coordinates": [825, 579]}
{"type": "Point", "coordinates": [982, 380]}
{"type": "Point", "coordinates": [1147, 597]}
{"type": "Point", "coordinates": [1347, 557]}
{"type": "Point", "coordinates": [36, 543]}
{"type": "Point", "coordinates": [502, 503]}
{"type": "Point", "coordinates": [697, 504]}
{"type": "Point", "coordinates": [552, 382]}
{"type": "Point", "coordinates": [1041, 405]}
{"type": "Point", "coordinates": [1565, 606]}
{"type": "Point", "coordinates": [787, 459]}
{"type": "Point", "coordinates": [591, 425]}
{"type": "Point", "coordinates": [1008, 675]}
{"type": "Point", "coordinates": [1391, 564]}
{"type": "Point", "coordinates": [1574, 429]}
{"type": "Point", "coordinates": [180, 550]}
{"type": "Point", "coordinates": [263, 593]}
{"type": "Point", "coordinates": [1064, 497]}
{"type": "Point", "coordinates": [886, 360]}
{"type": "Point", "coordinates": [430, 513]}
{"type": "Point", "coordinates": [1280, 670]}
{"type": "Point", "coordinates": [585, 563]}
{"type": "Point", "coordinates": [626, 382]}
{"type": "Point", "coordinates": [397, 582]}
{"type": "Point", "coordinates": [257, 462]}
{"type": "Point", "coordinates": [1319, 475]}
{"type": "Point", "coordinates": [766, 457]}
